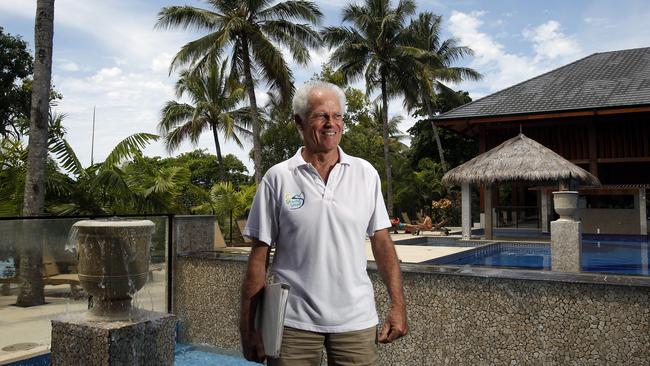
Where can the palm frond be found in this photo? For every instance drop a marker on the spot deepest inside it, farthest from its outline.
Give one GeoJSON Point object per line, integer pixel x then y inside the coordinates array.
{"type": "Point", "coordinates": [293, 10]}
{"type": "Point", "coordinates": [128, 148]}
{"type": "Point", "coordinates": [187, 17]}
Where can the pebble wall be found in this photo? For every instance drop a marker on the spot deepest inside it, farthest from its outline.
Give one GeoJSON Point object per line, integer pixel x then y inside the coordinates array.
{"type": "Point", "coordinates": [455, 319]}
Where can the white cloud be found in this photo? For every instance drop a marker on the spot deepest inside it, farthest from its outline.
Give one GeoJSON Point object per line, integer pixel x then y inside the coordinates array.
{"type": "Point", "coordinates": [66, 65]}
{"type": "Point", "coordinates": [502, 68]}
{"type": "Point", "coordinates": [161, 62]}
{"type": "Point", "coordinates": [596, 20]}
{"type": "Point", "coordinates": [550, 42]}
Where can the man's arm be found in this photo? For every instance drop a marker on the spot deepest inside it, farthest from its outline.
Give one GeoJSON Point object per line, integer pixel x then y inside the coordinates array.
{"type": "Point", "coordinates": [383, 249]}
{"type": "Point", "coordinates": [252, 289]}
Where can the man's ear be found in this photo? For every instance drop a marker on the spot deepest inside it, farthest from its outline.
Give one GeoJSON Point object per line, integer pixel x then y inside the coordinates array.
{"type": "Point", "coordinates": [298, 121]}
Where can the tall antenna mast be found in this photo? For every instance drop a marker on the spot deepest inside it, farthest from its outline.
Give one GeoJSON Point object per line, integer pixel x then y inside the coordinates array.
{"type": "Point", "coordinates": [92, 143]}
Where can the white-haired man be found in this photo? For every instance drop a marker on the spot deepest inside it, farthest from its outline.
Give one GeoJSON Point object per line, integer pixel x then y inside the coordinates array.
{"type": "Point", "coordinates": [317, 208]}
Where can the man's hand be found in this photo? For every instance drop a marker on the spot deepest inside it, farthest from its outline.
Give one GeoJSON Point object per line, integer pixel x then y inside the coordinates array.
{"type": "Point", "coordinates": [383, 249]}
{"type": "Point", "coordinates": [395, 325]}
{"type": "Point", "coordinates": [252, 345]}
{"type": "Point", "coordinates": [252, 290]}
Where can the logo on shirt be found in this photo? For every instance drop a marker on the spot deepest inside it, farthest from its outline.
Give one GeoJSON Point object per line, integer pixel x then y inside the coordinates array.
{"type": "Point", "coordinates": [294, 200]}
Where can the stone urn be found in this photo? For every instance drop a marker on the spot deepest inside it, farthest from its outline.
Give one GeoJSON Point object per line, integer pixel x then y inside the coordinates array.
{"type": "Point", "coordinates": [113, 264]}
{"type": "Point", "coordinates": [566, 204]}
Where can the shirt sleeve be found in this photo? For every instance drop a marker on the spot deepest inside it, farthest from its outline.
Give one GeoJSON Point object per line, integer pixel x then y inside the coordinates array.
{"type": "Point", "coordinates": [262, 223]}
{"type": "Point", "coordinates": [379, 218]}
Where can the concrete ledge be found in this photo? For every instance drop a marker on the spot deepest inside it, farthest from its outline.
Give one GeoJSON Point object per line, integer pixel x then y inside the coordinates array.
{"type": "Point", "coordinates": [482, 272]}
{"type": "Point", "coordinates": [457, 316]}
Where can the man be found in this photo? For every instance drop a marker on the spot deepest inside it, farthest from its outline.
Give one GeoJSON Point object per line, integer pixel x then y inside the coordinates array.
{"type": "Point", "coordinates": [317, 208]}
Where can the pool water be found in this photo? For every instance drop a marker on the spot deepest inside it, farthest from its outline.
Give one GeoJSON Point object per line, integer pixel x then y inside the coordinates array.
{"type": "Point", "coordinates": [620, 257]}
{"type": "Point", "coordinates": [191, 355]}
{"type": "Point", "coordinates": [184, 355]}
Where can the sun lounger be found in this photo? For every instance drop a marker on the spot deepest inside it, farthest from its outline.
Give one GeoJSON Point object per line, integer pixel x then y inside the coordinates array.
{"type": "Point", "coordinates": [51, 276]}
{"type": "Point", "coordinates": [219, 241]}
{"type": "Point", "coordinates": [5, 290]}
{"type": "Point", "coordinates": [241, 224]}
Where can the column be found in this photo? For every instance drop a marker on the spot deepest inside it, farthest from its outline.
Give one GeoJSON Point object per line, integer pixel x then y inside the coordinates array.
{"type": "Point", "coordinates": [488, 211]}
{"type": "Point", "coordinates": [566, 233]}
{"type": "Point", "coordinates": [544, 206]}
{"type": "Point", "coordinates": [642, 212]}
{"type": "Point", "coordinates": [466, 211]}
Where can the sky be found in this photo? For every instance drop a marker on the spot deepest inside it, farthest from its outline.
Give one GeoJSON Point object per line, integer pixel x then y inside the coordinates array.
{"type": "Point", "coordinates": [108, 56]}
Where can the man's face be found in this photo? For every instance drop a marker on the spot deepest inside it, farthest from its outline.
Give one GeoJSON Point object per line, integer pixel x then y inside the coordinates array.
{"type": "Point", "coordinates": [323, 126]}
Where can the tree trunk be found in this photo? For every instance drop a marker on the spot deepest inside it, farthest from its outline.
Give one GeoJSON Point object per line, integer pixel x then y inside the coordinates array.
{"type": "Point", "coordinates": [389, 174]}
{"type": "Point", "coordinates": [250, 88]}
{"type": "Point", "coordinates": [437, 137]}
{"type": "Point", "coordinates": [215, 135]}
{"type": "Point", "coordinates": [31, 256]}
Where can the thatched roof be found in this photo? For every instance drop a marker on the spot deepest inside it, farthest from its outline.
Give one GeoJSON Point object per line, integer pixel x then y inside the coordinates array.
{"type": "Point", "coordinates": [518, 159]}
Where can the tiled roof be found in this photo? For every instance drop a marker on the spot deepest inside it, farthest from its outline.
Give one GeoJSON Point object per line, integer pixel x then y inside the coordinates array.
{"type": "Point", "coordinates": [608, 79]}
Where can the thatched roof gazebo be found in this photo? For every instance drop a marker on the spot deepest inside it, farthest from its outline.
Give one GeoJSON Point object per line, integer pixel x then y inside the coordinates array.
{"type": "Point", "coordinates": [517, 159]}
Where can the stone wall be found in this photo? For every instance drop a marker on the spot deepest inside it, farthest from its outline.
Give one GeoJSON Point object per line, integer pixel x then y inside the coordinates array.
{"type": "Point", "coordinates": [459, 316]}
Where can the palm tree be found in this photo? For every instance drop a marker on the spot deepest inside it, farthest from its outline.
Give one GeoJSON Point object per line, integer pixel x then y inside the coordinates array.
{"type": "Point", "coordinates": [31, 256]}
{"type": "Point", "coordinates": [214, 97]}
{"type": "Point", "coordinates": [251, 31]}
{"type": "Point", "coordinates": [374, 47]}
{"type": "Point", "coordinates": [424, 80]}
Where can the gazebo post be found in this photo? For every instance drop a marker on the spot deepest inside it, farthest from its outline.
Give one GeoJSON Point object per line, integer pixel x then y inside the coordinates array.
{"type": "Point", "coordinates": [642, 212]}
{"type": "Point", "coordinates": [466, 211]}
{"type": "Point", "coordinates": [544, 206]}
{"type": "Point", "coordinates": [487, 204]}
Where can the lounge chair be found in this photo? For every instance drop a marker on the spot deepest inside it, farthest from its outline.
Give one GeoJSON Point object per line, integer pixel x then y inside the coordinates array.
{"type": "Point", "coordinates": [51, 276]}
{"type": "Point", "coordinates": [219, 241]}
{"type": "Point", "coordinates": [406, 218]}
{"type": "Point", "coordinates": [6, 284]}
{"type": "Point", "coordinates": [241, 224]}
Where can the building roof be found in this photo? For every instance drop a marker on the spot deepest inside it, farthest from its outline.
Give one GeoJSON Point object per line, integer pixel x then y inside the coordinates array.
{"type": "Point", "coordinates": [602, 80]}
{"type": "Point", "coordinates": [517, 159]}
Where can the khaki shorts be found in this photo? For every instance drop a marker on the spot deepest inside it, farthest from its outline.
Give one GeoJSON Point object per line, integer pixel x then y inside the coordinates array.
{"type": "Point", "coordinates": [305, 348]}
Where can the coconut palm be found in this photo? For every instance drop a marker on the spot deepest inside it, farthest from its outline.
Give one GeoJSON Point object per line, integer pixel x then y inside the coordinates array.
{"type": "Point", "coordinates": [373, 46]}
{"type": "Point", "coordinates": [214, 98]}
{"type": "Point", "coordinates": [424, 80]}
{"type": "Point", "coordinates": [252, 32]}
{"type": "Point", "coordinates": [31, 256]}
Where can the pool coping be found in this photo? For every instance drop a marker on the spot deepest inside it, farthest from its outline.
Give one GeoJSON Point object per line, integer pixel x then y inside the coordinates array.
{"type": "Point", "coordinates": [475, 271]}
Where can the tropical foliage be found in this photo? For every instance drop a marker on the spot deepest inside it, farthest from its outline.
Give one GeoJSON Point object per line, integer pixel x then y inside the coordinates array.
{"type": "Point", "coordinates": [397, 52]}
{"type": "Point", "coordinates": [252, 32]}
{"type": "Point", "coordinates": [214, 97]}
{"type": "Point", "coordinates": [374, 47]}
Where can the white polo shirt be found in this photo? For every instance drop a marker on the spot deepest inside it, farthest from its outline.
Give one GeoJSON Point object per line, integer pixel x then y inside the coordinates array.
{"type": "Point", "coordinates": [319, 231]}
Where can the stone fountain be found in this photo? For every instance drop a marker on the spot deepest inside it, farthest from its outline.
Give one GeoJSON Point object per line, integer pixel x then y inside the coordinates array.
{"type": "Point", "coordinates": [113, 264]}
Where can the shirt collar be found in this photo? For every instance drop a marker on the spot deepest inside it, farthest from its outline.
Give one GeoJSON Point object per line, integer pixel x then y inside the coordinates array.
{"type": "Point", "coordinates": [297, 160]}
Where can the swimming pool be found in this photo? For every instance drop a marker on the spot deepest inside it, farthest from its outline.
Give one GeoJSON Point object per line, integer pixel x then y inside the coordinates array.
{"type": "Point", "coordinates": [184, 355]}
{"type": "Point", "coordinates": [191, 355]}
{"type": "Point", "coordinates": [600, 256]}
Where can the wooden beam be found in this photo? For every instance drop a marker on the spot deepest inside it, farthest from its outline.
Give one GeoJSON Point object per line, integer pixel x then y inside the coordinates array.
{"type": "Point", "coordinates": [641, 159]}
{"type": "Point", "coordinates": [547, 115]}
{"type": "Point", "coordinates": [593, 149]}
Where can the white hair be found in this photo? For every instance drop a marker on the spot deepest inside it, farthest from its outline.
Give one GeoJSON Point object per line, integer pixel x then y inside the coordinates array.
{"type": "Point", "coordinates": [300, 102]}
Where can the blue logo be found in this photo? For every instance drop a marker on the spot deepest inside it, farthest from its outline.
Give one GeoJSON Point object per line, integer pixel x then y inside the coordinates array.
{"type": "Point", "coordinates": [294, 200]}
